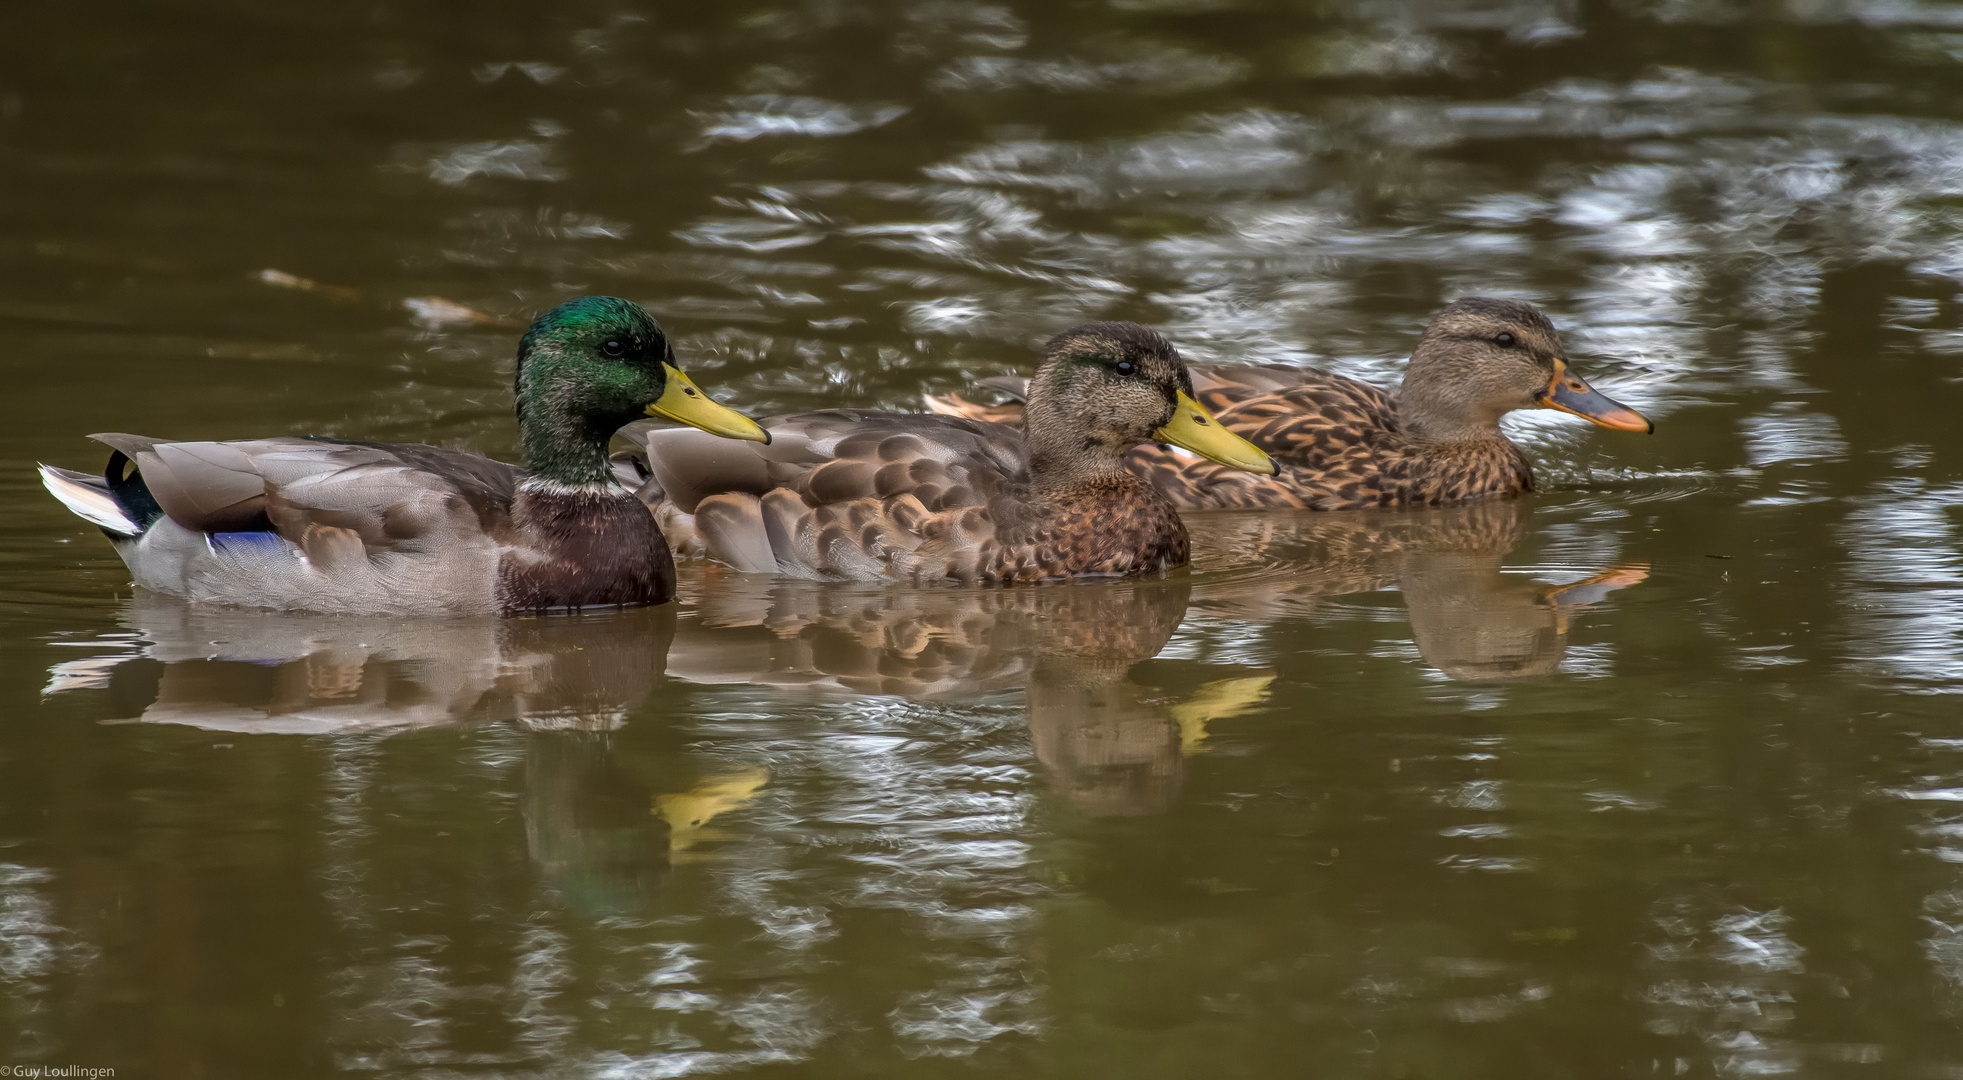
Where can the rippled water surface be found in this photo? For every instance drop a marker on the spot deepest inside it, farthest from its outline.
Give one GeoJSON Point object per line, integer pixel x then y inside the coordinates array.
{"type": "Point", "coordinates": [1657, 773]}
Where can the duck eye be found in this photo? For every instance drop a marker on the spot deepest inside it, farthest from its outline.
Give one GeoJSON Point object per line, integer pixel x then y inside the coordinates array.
{"type": "Point", "coordinates": [1505, 340]}
{"type": "Point", "coordinates": [614, 347]}
{"type": "Point", "coordinates": [1125, 367]}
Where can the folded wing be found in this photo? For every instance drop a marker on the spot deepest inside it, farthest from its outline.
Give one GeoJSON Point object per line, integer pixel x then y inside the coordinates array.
{"type": "Point", "coordinates": [310, 523]}
{"type": "Point", "coordinates": [844, 493]}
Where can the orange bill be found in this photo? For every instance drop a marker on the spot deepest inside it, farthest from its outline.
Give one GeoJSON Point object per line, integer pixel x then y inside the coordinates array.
{"type": "Point", "coordinates": [1569, 393]}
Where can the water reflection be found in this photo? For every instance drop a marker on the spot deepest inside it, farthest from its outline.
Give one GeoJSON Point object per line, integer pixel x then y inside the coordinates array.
{"type": "Point", "coordinates": [603, 836]}
{"type": "Point", "coordinates": [1113, 741]}
{"type": "Point", "coordinates": [588, 825]}
{"type": "Point", "coordinates": [1728, 978]}
{"type": "Point", "coordinates": [1470, 619]}
{"type": "Point", "coordinates": [228, 669]}
{"type": "Point", "coordinates": [1111, 745]}
{"type": "Point", "coordinates": [818, 755]}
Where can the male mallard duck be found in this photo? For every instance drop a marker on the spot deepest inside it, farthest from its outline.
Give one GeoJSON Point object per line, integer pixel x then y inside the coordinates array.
{"type": "Point", "coordinates": [854, 494]}
{"type": "Point", "coordinates": [1345, 444]}
{"type": "Point", "coordinates": [311, 524]}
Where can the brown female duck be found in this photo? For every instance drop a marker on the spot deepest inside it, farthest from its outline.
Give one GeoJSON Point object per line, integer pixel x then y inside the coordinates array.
{"type": "Point", "coordinates": [874, 495]}
{"type": "Point", "coordinates": [1345, 444]}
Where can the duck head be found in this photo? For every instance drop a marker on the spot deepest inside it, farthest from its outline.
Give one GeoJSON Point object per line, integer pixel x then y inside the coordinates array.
{"type": "Point", "coordinates": [1103, 388]}
{"type": "Point", "coordinates": [589, 366]}
{"type": "Point", "coordinates": [1482, 358]}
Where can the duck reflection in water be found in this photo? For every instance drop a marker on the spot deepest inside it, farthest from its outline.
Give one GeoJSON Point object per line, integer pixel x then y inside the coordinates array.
{"type": "Point", "coordinates": [1111, 744]}
{"type": "Point", "coordinates": [600, 836]}
{"type": "Point", "coordinates": [258, 672]}
{"type": "Point", "coordinates": [602, 833]}
{"type": "Point", "coordinates": [1113, 733]}
{"type": "Point", "coordinates": [1469, 619]}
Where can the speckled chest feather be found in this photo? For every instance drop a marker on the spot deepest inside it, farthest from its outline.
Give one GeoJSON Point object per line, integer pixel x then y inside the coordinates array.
{"type": "Point", "coordinates": [1113, 525]}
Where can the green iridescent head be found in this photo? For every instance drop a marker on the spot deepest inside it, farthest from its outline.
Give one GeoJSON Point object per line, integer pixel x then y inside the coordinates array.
{"type": "Point", "coordinates": [589, 366]}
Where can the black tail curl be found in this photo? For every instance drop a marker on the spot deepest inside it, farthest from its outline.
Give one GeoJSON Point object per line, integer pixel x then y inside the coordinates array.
{"type": "Point", "coordinates": [131, 493]}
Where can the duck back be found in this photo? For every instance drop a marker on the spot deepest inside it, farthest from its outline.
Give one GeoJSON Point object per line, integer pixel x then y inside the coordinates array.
{"type": "Point", "coordinates": [875, 495]}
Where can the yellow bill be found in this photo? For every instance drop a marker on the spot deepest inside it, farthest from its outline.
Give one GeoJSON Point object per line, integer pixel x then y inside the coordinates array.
{"type": "Point", "coordinates": [1193, 428]}
{"type": "Point", "coordinates": [685, 403]}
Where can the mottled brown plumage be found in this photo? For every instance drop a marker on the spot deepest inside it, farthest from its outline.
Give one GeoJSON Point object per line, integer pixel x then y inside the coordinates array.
{"type": "Point", "coordinates": [1345, 444]}
{"type": "Point", "coordinates": [855, 494]}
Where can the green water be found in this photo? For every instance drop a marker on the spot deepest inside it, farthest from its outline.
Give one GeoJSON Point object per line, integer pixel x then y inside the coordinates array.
{"type": "Point", "coordinates": [1658, 773]}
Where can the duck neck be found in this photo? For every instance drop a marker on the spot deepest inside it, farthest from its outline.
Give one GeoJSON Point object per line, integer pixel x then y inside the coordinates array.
{"type": "Point", "coordinates": [1062, 458]}
{"type": "Point", "coordinates": [566, 451]}
{"type": "Point", "coordinates": [1432, 410]}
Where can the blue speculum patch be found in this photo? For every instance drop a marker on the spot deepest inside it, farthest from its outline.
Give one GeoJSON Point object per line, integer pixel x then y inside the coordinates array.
{"type": "Point", "coordinates": [245, 541]}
